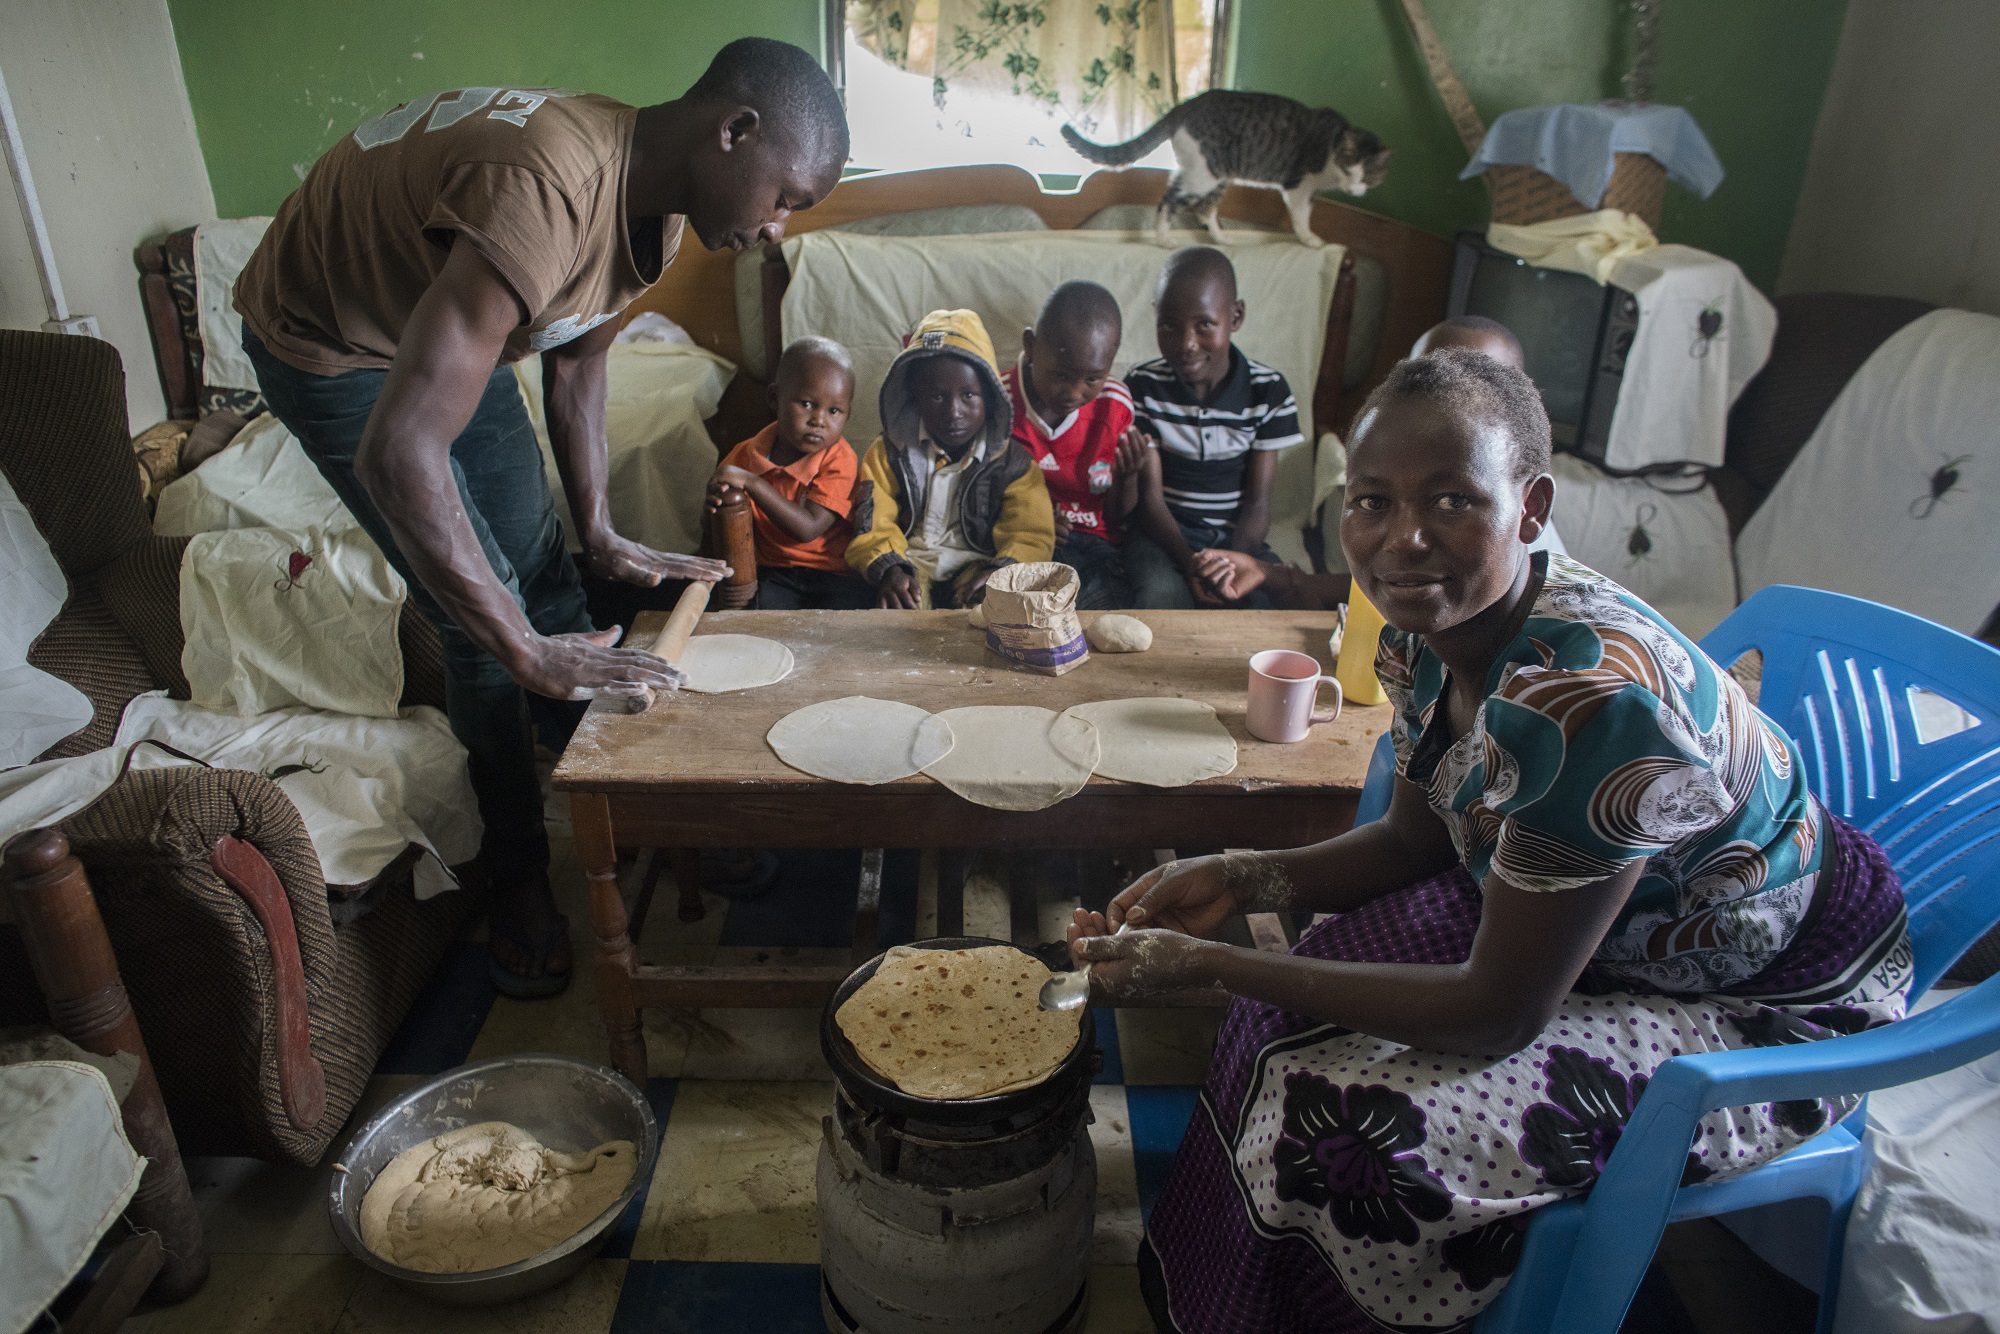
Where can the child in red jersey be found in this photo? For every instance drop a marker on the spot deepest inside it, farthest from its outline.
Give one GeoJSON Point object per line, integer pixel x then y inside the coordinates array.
{"type": "Point", "coordinates": [1077, 423]}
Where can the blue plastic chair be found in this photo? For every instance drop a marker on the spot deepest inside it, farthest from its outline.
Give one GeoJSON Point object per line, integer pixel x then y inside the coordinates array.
{"type": "Point", "coordinates": [1865, 690]}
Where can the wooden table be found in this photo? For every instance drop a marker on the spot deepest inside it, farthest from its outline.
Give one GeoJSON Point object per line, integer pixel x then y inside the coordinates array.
{"type": "Point", "coordinates": [695, 772]}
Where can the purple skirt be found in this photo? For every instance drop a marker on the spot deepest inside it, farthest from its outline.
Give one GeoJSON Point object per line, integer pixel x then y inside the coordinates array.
{"type": "Point", "coordinates": [1331, 1182]}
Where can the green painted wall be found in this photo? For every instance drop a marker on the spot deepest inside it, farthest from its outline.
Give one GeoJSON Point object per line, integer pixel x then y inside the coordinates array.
{"type": "Point", "coordinates": [1752, 72]}
{"type": "Point", "coordinates": [274, 85]}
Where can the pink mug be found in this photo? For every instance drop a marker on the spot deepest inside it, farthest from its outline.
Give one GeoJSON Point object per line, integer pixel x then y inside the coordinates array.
{"type": "Point", "coordinates": [1284, 686]}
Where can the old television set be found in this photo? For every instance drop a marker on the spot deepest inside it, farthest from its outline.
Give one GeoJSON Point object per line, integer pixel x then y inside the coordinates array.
{"type": "Point", "coordinates": [1575, 334]}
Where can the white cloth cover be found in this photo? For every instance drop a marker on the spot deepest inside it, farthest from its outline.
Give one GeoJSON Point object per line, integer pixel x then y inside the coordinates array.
{"type": "Point", "coordinates": [1671, 549]}
{"type": "Point", "coordinates": [272, 619]}
{"type": "Point", "coordinates": [868, 292]}
{"type": "Point", "coordinates": [660, 453]}
{"type": "Point", "coordinates": [1680, 381]}
{"type": "Point", "coordinates": [1924, 1236]}
{"type": "Point", "coordinates": [365, 787]}
{"type": "Point", "coordinates": [66, 1172]}
{"type": "Point", "coordinates": [221, 249]}
{"type": "Point", "coordinates": [36, 709]}
{"type": "Point", "coordinates": [263, 480]}
{"type": "Point", "coordinates": [1896, 497]}
{"type": "Point", "coordinates": [1594, 244]}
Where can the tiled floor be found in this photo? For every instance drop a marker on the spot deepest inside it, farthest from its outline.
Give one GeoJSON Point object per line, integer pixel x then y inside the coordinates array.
{"type": "Point", "coordinates": [725, 1239]}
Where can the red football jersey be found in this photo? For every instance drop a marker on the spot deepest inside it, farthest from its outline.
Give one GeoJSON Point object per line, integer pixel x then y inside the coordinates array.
{"type": "Point", "coordinates": [1079, 459]}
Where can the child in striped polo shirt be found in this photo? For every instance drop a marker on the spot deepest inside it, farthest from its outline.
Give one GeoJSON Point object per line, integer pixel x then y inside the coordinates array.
{"type": "Point", "coordinates": [1217, 420]}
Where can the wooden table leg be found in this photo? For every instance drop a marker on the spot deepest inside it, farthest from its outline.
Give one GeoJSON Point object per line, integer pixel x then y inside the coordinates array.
{"type": "Point", "coordinates": [71, 955]}
{"type": "Point", "coordinates": [597, 849]}
{"type": "Point", "coordinates": [868, 907]}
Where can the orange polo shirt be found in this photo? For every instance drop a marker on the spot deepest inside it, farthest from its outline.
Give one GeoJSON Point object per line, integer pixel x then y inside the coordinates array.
{"type": "Point", "coordinates": [826, 478]}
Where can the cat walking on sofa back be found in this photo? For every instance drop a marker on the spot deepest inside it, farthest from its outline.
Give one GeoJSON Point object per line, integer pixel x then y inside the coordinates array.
{"type": "Point", "coordinates": [1224, 137]}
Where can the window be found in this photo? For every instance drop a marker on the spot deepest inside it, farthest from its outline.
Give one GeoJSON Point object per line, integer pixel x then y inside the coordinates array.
{"type": "Point", "coordinates": [944, 82]}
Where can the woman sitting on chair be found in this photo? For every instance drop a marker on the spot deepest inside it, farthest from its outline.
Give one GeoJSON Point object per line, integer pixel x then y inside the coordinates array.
{"type": "Point", "coordinates": [1599, 855]}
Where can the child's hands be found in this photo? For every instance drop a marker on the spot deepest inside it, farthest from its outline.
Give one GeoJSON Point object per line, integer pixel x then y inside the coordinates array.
{"type": "Point", "coordinates": [1132, 447]}
{"type": "Point", "coordinates": [1062, 529]}
{"type": "Point", "coordinates": [1229, 575]}
{"type": "Point", "coordinates": [898, 589]}
{"type": "Point", "coordinates": [975, 591]}
{"type": "Point", "coordinates": [720, 493]}
{"type": "Point", "coordinates": [734, 477]}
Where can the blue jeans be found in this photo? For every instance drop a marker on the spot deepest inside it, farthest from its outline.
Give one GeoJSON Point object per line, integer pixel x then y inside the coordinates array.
{"type": "Point", "coordinates": [1158, 583]}
{"type": "Point", "coordinates": [498, 466]}
{"type": "Point", "coordinates": [1100, 567]}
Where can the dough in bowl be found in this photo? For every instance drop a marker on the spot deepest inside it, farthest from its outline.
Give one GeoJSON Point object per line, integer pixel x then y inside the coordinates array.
{"type": "Point", "coordinates": [718, 664]}
{"type": "Point", "coordinates": [1015, 757]}
{"type": "Point", "coordinates": [487, 1195]}
{"type": "Point", "coordinates": [949, 1024]}
{"type": "Point", "coordinates": [1162, 741]}
{"type": "Point", "coordinates": [860, 740]}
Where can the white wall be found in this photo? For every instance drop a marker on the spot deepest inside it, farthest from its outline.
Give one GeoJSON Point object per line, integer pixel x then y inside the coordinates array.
{"type": "Point", "coordinates": [1902, 189]}
{"type": "Point", "coordinates": [104, 116]}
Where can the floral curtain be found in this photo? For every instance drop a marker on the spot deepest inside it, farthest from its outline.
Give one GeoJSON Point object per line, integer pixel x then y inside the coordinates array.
{"type": "Point", "coordinates": [1105, 66]}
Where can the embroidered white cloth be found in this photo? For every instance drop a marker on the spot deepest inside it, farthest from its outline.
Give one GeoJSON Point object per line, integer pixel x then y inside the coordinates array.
{"type": "Point", "coordinates": [1896, 496]}
{"type": "Point", "coordinates": [660, 454]}
{"type": "Point", "coordinates": [36, 709]}
{"type": "Point", "coordinates": [1671, 548]}
{"type": "Point", "coordinates": [1704, 331]}
{"type": "Point", "coordinates": [365, 788]}
{"type": "Point", "coordinates": [67, 1171]}
{"type": "Point", "coordinates": [221, 249]}
{"type": "Point", "coordinates": [263, 480]}
{"type": "Point", "coordinates": [869, 291]}
{"type": "Point", "coordinates": [1923, 1236]}
{"type": "Point", "coordinates": [272, 619]}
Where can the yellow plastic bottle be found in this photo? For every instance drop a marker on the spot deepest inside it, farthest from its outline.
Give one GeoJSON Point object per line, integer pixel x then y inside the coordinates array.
{"type": "Point", "coordinates": [1356, 669]}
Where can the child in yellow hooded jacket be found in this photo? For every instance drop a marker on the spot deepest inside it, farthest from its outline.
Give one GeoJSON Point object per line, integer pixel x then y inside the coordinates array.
{"type": "Point", "coordinates": [947, 495]}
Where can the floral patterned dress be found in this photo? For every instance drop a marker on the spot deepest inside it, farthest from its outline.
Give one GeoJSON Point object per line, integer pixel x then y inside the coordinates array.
{"type": "Point", "coordinates": [1331, 1181]}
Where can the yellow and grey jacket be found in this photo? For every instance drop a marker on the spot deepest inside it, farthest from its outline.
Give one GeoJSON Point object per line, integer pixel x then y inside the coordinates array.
{"type": "Point", "coordinates": [1003, 504]}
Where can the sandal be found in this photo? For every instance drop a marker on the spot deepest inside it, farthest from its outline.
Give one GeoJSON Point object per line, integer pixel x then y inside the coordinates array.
{"type": "Point", "coordinates": [549, 979]}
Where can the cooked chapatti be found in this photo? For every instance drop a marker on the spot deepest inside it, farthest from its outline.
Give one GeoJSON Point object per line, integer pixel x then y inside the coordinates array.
{"type": "Point", "coordinates": [947, 1024]}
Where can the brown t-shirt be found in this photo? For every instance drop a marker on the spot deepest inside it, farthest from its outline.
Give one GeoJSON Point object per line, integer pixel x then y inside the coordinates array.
{"type": "Point", "coordinates": [535, 178]}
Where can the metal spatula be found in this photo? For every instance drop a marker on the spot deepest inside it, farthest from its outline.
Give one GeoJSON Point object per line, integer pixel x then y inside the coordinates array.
{"type": "Point", "coordinates": [1071, 990]}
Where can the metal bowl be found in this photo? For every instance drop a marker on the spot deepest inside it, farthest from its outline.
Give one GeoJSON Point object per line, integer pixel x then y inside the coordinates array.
{"type": "Point", "coordinates": [567, 1104]}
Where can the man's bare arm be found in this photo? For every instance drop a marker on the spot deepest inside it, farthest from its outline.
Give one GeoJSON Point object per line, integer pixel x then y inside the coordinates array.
{"type": "Point", "coordinates": [574, 378]}
{"type": "Point", "coordinates": [449, 349]}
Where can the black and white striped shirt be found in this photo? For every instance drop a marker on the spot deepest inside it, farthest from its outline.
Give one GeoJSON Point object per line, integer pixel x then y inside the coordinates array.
{"type": "Point", "coordinates": [1205, 447]}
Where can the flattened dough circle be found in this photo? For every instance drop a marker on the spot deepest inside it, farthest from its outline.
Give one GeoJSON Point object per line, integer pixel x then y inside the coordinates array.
{"type": "Point", "coordinates": [860, 740]}
{"type": "Point", "coordinates": [1161, 741]}
{"type": "Point", "coordinates": [718, 664]}
{"type": "Point", "coordinates": [1016, 757]}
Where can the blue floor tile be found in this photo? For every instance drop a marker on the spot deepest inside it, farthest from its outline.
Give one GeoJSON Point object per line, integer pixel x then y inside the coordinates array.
{"type": "Point", "coordinates": [1159, 1115]}
{"type": "Point", "coordinates": [445, 1020]}
{"type": "Point", "coordinates": [1107, 1042]}
{"type": "Point", "coordinates": [681, 1297]}
{"type": "Point", "coordinates": [811, 902]}
{"type": "Point", "coordinates": [660, 1096]}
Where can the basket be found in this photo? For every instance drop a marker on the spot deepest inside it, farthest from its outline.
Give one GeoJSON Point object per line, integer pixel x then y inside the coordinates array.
{"type": "Point", "coordinates": [1522, 195]}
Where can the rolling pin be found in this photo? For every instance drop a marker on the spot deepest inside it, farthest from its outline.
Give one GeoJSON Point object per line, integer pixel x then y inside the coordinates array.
{"type": "Point", "coordinates": [670, 643]}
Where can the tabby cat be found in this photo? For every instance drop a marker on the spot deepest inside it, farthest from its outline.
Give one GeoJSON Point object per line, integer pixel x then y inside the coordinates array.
{"type": "Point", "coordinates": [1250, 139]}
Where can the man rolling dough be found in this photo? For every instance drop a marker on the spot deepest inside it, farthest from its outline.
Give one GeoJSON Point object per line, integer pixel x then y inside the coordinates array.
{"type": "Point", "coordinates": [428, 249]}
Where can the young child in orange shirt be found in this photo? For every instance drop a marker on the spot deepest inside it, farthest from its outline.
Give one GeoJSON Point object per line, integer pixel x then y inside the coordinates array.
{"type": "Point", "coordinates": [799, 473]}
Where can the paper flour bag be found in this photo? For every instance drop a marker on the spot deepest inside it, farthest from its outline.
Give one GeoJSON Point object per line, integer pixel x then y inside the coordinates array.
{"type": "Point", "coordinates": [1031, 617]}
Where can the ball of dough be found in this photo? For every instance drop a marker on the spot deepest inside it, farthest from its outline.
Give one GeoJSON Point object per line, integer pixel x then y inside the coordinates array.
{"type": "Point", "coordinates": [976, 618]}
{"type": "Point", "coordinates": [1119, 634]}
